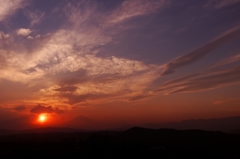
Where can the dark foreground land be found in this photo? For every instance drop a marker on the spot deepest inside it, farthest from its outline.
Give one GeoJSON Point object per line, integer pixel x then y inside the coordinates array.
{"type": "Point", "coordinates": [161, 143]}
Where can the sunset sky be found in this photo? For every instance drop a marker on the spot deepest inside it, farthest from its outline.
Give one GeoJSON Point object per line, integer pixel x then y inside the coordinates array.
{"type": "Point", "coordinates": [113, 63]}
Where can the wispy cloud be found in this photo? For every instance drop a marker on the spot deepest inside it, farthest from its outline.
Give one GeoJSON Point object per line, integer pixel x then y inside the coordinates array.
{"type": "Point", "coordinates": [229, 60]}
{"type": "Point", "coordinates": [133, 8]}
{"type": "Point", "coordinates": [199, 53]}
{"type": "Point", "coordinates": [35, 16]}
{"type": "Point", "coordinates": [227, 102]}
{"type": "Point", "coordinates": [9, 7]}
{"type": "Point", "coordinates": [101, 87]}
{"type": "Point", "coordinates": [139, 97]}
{"type": "Point", "coordinates": [218, 4]}
{"type": "Point", "coordinates": [3, 35]}
{"type": "Point", "coordinates": [202, 81]}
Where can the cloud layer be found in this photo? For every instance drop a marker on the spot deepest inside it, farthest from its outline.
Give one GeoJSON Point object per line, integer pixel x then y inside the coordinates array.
{"type": "Point", "coordinates": [71, 52]}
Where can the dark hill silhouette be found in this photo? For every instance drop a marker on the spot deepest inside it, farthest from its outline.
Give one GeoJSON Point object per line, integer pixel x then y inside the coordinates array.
{"type": "Point", "coordinates": [140, 142]}
{"type": "Point", "coordinates": [227, 124]}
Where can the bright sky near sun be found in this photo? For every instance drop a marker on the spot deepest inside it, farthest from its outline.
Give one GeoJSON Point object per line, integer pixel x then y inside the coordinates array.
{"type": "Point", "coordinates": [113, 63]}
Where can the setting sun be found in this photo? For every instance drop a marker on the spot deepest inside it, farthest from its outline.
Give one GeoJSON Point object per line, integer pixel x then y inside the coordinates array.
{"type": "Point", "coordinates": [42, 118]}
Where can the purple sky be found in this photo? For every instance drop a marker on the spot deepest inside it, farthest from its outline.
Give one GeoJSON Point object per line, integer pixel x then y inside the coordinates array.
{"type": "Point", "coordinates": [122, 62]}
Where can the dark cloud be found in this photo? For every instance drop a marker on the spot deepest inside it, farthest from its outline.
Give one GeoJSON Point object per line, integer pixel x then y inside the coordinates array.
{"type": "Point", "coordinates": [46, 109]}
{"type": "Point", "coordinates": [20, 108]}
{"type": "Point", "coordinates": [42, 109]}
{"type": "Point", "coordinates": [202, 81]}
{"type": "Point", "coordinates": [199, 53]}
{"type": "Point", "coordinates": [74, 99]}
{"type": "Point", "coordinates": [139, 97]}
{"type": "Point", "coordinates": [59, 111]}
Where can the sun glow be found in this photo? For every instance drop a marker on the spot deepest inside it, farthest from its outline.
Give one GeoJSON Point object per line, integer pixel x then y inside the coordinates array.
{"type": "Point", "coordinates": [42, 118]}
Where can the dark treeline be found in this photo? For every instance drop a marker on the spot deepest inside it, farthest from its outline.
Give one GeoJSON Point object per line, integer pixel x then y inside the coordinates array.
{"type": "Point", "coordinates": [164, 143]}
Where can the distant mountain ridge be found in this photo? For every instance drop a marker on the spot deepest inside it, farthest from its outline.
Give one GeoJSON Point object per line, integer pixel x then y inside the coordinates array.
{"type": "Point", "coordinates": [227, 124]}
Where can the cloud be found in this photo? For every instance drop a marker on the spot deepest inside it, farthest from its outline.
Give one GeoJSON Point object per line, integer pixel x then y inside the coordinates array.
{"type": "Point", "coordinates": [72, 49]}
{"type": "Point", "coordinates": [3, 35]}
{"type": "Point", "coordinates": [227, 102]}
{"type": "Point", "coordinates": [229, 60]}
{"type": "Point", "coordinates": [76, 98]}
{"type": "Point", "coordinates": [46, 109]}
{"type": "Point", "coordinates": [9, 7]}
{"type": "Point", "coordinates": [65, 89]}
{"type": "Point", "coordinates": [199, 53]}
{"type": "Point", "coordinates": [139, 97]}
{"type": "Point", "coordinates": [35, 16]}
{"type": "Point", "coordinates": [59, 111]}
{"type": "Point", "coordinates": [23, 32]}
{"type": "Point", "coordinates": [20, 108]}
{"type": "Point", "coordinates": [133, 8]}
{"type": "Point", "coordinates": [30, 37]}
{"type": "Point", "coordinates": [101, 87]}
{"type": "Point", "coordinates": [202, 81]}
{"type": "Point", "coordinates": [42, 109]}
{"type": "Point", "coordinates": [218, 4]}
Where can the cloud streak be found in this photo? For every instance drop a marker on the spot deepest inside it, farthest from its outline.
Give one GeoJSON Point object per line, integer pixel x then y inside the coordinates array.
{"type": "Point", "coordinates": [218, 4]}
{"type": "Point", "coordinates": [202, 81]}
{"type": "Point", "coordinates": [229, 60]}
{"type": "Point", "coordinates": [35, 16]}
{"type": "Point", "coordinates": [199, 53]}
{"type": "Point", "coordinates": [134, 8]}
{"type": "Point", "coordinates": [139, 97]}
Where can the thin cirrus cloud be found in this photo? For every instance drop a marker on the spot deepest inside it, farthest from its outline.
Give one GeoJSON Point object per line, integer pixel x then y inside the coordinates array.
{"type": "Point", "coordinates": [229, 60]}
{"type": "Point", "coordinates": [9, 7]}
{"type": "Point", "coordinates": [227, 102]}
{"type": "Point", "coordinates": [199, 53]}
{"type": "Point", "coordinates": [218, 4]}
{"type": "Point", "coordinates": [35, 16]}
{"type": "Point", "coordinates": [134, 8]}
{"type": "Point", "coordinates": [139, 97]}
{"type": "Point", "coordinates": [202, 81]}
